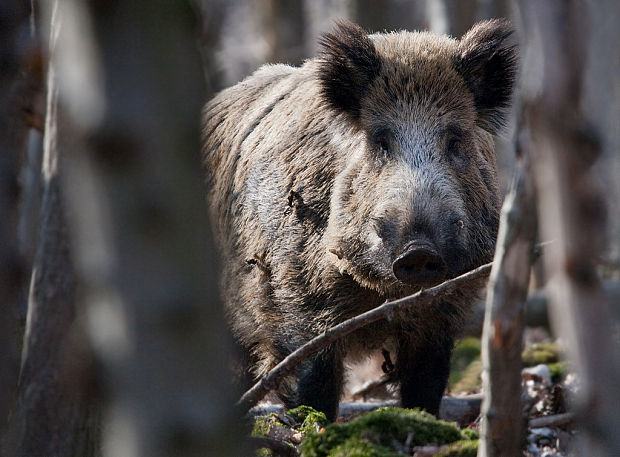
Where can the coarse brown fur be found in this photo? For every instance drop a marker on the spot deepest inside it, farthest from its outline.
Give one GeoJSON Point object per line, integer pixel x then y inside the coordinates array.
{"type": "Point", "coordinates": [322, 177]}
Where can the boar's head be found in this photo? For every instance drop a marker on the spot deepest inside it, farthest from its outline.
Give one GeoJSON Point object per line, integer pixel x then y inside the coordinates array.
{"type": "Point", "coordinates": [416, 200]}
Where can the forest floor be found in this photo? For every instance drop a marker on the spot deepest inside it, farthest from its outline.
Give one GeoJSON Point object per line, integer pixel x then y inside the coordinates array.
{"type": "Point", "coordinates": [369, 424]}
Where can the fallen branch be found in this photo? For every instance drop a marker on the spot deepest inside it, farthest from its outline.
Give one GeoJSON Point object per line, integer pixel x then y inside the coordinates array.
{"type": "Point", "coordinates": [279, 448]}
{"type": "Point", "coordinates": [552, 421]}
{"type": "Point", "coordinates": [462, 410]}
{"type": "Point", "coordinates": [385, 311]}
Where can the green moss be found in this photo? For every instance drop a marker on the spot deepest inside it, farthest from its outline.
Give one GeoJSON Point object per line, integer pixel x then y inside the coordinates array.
{"type": "Point", "coordinates": [469, 434]}
{"type": "Point", "coordinates": [263, 424]}
{"type": "Point", "coordinates": [300, 413]}
{"type": "Point", "coordinates": [540, 353]}
{"type": "Point", "coordinates": [261, 427]}
{"type": "Point", "coordinates": [308, 418]}
{"type": "Point", "coordinates": [354, 447]}
{"type": "Point", "coordinates": [460, 449]}
{"type": "Point", "coordinates": [264, 453]}
{"type": "Point", "coordinates": [558, 370]}
{"type": "Point", "coordinates": [377, 431]}
{"type": "Point", "coordinates": [468, 347]}
{"type": "Point", "coordinates": [465, 352]}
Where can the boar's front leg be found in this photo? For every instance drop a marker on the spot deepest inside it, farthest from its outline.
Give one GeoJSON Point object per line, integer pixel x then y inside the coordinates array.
{"type": "Point", "coordinates": [320, 383]}
{"type": "Point", "coordinates": [423, 370]}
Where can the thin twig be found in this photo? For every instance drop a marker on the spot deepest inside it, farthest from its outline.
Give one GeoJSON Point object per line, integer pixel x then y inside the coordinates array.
{"type": "Point", "coordinates": [274, 377]}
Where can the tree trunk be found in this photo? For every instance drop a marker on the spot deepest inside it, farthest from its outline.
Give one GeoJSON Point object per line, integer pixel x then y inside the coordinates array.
{"type": "Point", "coordinates": [502, 338]}
{"type": "Point", "coordinates": [382, 15]}
{"type": "Point", "coordinates": [282, 25]}
{"type": "Point", "coordinates": [20, 63]}
{"type": "Point", "coordinates": [321, 15]}
{"type": "Point", "coordinates": [142, 246]}
{"type": "Point", "coordinates": [56, 399]}
{"type": "Point", "coordinates": [462, 14]}
{"type": "Point", "coordinates": [212, 14]}
{"type": "Point", "coordinates": [572, 209]}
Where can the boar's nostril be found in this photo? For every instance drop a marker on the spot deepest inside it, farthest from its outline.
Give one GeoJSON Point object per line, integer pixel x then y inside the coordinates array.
{"type": "Point", "coordinates": [421, 265]}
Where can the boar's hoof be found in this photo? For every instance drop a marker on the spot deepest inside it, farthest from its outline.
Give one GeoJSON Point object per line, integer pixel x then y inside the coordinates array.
{"type": "Point", "coordinates": [420, 265]}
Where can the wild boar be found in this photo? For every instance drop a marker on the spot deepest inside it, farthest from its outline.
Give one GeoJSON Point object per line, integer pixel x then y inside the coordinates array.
{"type": "Point", "coordinates": [361, 176]}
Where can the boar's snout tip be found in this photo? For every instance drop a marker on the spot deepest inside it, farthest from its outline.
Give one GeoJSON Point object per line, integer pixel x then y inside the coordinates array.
{"type": "Point", "coordinates": [420, 265]}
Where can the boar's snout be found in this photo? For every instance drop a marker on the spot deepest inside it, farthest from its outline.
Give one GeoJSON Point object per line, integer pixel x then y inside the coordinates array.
{"type": "Point", "coordinates": [420, 265]}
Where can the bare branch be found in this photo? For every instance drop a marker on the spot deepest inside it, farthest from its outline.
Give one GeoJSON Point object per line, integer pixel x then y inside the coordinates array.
{"type": "Point", "coordinates": [385, 311]}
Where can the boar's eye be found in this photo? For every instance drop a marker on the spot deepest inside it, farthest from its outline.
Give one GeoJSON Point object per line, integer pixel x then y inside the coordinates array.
{"type": "Point", "coordinates": [455, 151]}
{"type": "Point", "coordinates": [453, 147]}
{"type": "Point", "coordinates": [384, 145]}
{"type": "Point", "coordinates": [382, 140]}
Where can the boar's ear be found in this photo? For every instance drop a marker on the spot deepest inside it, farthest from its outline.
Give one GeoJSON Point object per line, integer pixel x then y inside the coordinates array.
{"type": "Point", "coordinates": [487, 60]}
{"type": "Point", "coordinates": [348, 64]}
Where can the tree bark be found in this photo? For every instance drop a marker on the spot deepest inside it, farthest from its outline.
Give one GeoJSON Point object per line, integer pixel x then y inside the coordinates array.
{"type": "Point", "coordinates": [502, 337]}
{"type": "Point", "coordinates": [20, 62]}
{"type": "Point", "coordinates": [572, 210]}
{"type": "Point", "coordinates": [56, 396]}
{"type": "Point", "coordinates": [142, 248]}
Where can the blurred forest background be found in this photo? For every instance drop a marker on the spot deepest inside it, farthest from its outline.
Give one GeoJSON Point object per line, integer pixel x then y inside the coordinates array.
{"type": "Point", "coordinates": [242, 35]}
{"type": "Point", "coordinates": [112, 339]}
